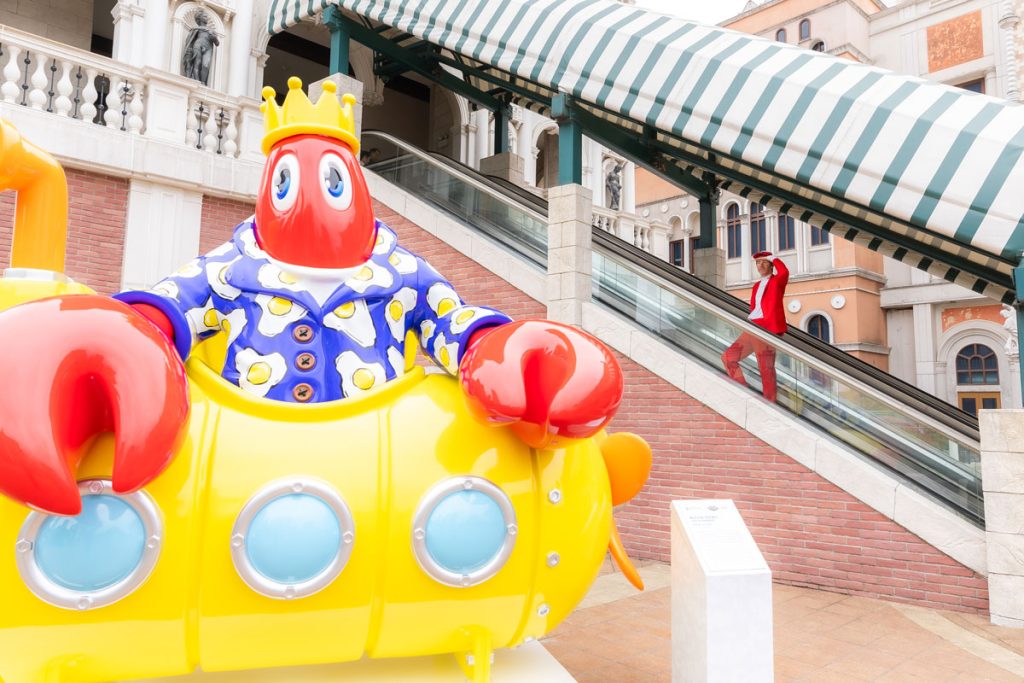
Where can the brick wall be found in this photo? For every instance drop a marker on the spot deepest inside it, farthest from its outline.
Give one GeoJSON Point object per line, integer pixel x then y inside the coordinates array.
{"type": "Point", "coordinates": [97, 213]}
{"type": "Point", "coordinates": [219, 219]}
{"type": "Point", "coordinates": [811, 532]}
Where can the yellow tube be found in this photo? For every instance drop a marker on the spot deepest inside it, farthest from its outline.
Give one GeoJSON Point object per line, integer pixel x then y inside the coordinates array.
{"type": "Point", "coordinates": [41, 216]}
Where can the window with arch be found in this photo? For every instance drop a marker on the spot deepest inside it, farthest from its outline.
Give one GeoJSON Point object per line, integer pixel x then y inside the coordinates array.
{"type": "Point", "coordinates": [977, 364]}
{"type": "Point", "coordinates": [818, 326]}
{"type": "Point", "coordinates": [787, 233]}
{"type": "Point", "coordinates": [818, 236]}
{"type": "Point", "coordinates": [733, 236]}
{"type": "Point", "coordinates": [758, 232]}
{"type": "Point", "coordinates": [977, 369]}
{"type": "Point", "coordinates": [805, 29]}
{"type": "Point", "coordinates": [818, 46]}
{"type": "Point", "coordinates": [780, 35]}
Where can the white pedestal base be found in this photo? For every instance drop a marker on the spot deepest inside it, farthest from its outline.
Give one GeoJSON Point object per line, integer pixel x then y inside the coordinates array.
{"type": "Point", "coordinates": [531, 662]}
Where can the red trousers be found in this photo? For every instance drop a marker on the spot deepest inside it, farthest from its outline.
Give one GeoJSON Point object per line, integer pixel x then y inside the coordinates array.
{"type": "Point", "coordinates": [743, 347]}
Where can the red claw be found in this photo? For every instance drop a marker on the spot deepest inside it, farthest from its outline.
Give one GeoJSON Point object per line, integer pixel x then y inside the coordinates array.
{"type": "Point", "coordinates": [74, 367]}
{"type": "Point", "coordinates": [542, 378]}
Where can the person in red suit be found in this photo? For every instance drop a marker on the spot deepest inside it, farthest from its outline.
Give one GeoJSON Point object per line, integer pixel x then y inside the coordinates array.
{"type": "Point", "coordinates": [766, 311]}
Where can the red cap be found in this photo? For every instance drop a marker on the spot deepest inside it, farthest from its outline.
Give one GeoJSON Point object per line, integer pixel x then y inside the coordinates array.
{"type": "Point", "coordinates": [762, 254]}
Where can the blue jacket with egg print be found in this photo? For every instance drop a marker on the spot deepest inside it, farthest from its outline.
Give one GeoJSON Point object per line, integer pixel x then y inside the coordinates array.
{"type": "Point", "coordinates": [312, 335]}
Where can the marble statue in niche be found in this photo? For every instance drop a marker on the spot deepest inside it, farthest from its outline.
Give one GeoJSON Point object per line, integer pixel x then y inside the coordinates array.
{"type": "Point", "coordinates": [198, 53]}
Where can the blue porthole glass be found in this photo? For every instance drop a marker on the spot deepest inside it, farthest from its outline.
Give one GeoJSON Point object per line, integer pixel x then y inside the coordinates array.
{"type": "Point", "coordinates": [293, 538]}
{"type": "Point", "coordinates": [94, 550]}
{"type": "Point", "coordinates": [465, 531]}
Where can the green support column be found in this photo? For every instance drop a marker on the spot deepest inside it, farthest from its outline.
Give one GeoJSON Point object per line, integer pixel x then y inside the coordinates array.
{"type": "Point", "coordinates": [500, 131]}
{"type": "Point", "coordinates": [334, 21]}
{"type": "Point", "coordinates": [1018, 280]}
{"type": "Point", "coordinates": [708, 210]}
{"type": "Point", "coordinates": [570, 142]}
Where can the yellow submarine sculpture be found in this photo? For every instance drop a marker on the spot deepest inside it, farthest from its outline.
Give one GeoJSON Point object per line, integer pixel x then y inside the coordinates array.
{"type": "Point", "coordinates": [384, 483]}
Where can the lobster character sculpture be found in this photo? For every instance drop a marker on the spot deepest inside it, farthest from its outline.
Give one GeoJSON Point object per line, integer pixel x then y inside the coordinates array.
{"type": "Point", "coordinates": [243, 467]}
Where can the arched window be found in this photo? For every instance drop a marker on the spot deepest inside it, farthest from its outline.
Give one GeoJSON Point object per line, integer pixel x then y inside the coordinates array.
{"type": "Point", "coordinates": [818, 46]}
{"type": "Point", "coordinates": [787, 233]}
{"type": "Point", "coordinates": [977, 378]}
{"type": "Point", "coordinates": [780, 35]}
{"type": "Point", "coordinates": [805, 29]}
{"type": "Point", "coordinates": [976, 364]}
{"type": "Point", "coordinates": [758, 235]}
{"type": "Point", "coordinates": [733, 226]}
{"type": "Point", "coordinates": [818, 326]}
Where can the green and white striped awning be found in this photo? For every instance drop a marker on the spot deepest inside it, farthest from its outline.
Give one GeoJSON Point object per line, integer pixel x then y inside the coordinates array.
{"type": "Point", "coordinates": [922, 172]}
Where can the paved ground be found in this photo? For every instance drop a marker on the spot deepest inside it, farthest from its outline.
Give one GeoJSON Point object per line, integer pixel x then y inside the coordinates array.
{"type": "Point", "coordinates": [619, 635]}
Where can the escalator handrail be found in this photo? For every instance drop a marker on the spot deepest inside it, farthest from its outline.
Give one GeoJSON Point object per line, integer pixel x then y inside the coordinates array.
{"type": "Point", "coordinates": [837, 363]}
{"type": "Point", "coordinates": [484, 183]}
{"type": "Point", "coordinates": [874, 382]}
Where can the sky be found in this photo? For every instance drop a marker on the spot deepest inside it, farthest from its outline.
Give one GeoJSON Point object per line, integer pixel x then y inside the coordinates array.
{"type": "Point", "coordinates": [704, 11]}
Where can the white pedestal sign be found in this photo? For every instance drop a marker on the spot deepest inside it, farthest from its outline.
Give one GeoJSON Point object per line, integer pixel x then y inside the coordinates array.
{"type": "Point", "coordinates": [721, 597]}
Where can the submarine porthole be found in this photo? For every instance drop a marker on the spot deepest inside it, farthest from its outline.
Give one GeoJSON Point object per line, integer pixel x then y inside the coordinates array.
{"type": "Point", "coordinates": [95, 558]}
{"type": "Point", "coordinates": [293, 538]}
{"type": "Point", "coordinates": [464, 531]}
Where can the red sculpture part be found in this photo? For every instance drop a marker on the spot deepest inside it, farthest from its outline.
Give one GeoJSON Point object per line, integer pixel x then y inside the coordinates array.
{"type": "Point", "coordinates": [77, 366]}
{"type": "Point", "coordinates": [543, 379]}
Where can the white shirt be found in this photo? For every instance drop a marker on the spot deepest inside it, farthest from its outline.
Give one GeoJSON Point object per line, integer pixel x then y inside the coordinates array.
{"type": "Point", "coordinates": [757, 313]}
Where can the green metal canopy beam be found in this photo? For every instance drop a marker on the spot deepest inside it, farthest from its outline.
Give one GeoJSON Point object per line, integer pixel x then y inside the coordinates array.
{"type": "Point", "coordinates": [428, 68]}
{"type": "Point", "coordinates": [1018, 278]}
{"type": "Point", "coordinates": [835, 216]}
{"type": "Point", "coordinates": [637, 150]}
{"type": "Point", "coordinates": [570, 141]}
{"type": "Point", "coordinates": [334, 21]}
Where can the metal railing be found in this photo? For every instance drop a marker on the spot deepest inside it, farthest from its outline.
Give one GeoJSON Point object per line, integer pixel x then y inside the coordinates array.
{"type": "Point", "coordinates": [924, 440]}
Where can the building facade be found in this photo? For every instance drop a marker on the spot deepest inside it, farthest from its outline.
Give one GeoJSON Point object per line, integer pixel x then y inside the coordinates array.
{"type": "Point", "coordinates": [943, 338]}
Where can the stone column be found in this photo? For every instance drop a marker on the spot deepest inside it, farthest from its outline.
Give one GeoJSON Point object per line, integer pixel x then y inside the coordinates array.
{"type": "Point", "coordinates": [506, 165]}
{"type": "Point", "coordinates": [123, 25]}
{"type": "Point", "coordinates": [469, 134]}
{"type": "Point", "coordinates": [1009, 23]}
{"type": "Point", "coordinates": [346, 84]}
{"type": "Point", "coordinates": [746, 264]}
{"type": "Point", "coordinates": [1002, 462]}
{"type": "Point", "coordinates": [157, 19]}
{"type": "Point", "coordinates": [924, 351]}
{"type": "Point", "coordinates": [570, 268]}
{"type": "Point", "coordinates": [238, 58]}
{"type": "Point", "coordinates": [628, 201]}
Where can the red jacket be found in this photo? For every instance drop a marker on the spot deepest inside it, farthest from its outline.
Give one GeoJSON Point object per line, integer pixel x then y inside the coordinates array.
{"type": "Point", "coordinates": [773, 313]}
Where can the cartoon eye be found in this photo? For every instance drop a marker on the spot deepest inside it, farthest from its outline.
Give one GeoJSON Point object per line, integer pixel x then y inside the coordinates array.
{"type": "Point", "coordinates": [336, 182]}
{"type": "Point", "coordinates": [284, 183]}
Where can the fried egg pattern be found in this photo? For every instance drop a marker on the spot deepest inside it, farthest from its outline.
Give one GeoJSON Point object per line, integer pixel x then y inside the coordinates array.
{"type": "Point", "coordinates": [446, 354]}
{"type": "Point", "coordinates": [217, 276]}
{"type": "Point", "coordinates": [370, 275]}
{"type": "Point", "coordinates": [403, 261]}
{"type": "Point", "coordinates": [357, 375]}
{"type": "Point", "coordinates": [276, 314]}
{"type": "Point", "coordinates": [204, 320]}
{"type": "Point", "coordinates": [353, 318]}
{"type": "Point", "coordinates": [396, 310]}
{"type": "Point", "coordinates": [258, 374]}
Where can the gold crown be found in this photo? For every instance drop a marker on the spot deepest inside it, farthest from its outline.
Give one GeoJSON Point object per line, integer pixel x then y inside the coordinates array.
{"type": "Point", "coordinates": [299, 116]}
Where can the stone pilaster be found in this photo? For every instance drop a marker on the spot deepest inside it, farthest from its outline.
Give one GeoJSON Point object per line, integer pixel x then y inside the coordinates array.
{"type": "Point", "coordinates": [346, 84]}
{"type": "Point", "coordinates": [1002, 462]}
{"type": "Point", "coordinates": [506, 165]}
{"type": "Point", "coordinates": [570, 265]}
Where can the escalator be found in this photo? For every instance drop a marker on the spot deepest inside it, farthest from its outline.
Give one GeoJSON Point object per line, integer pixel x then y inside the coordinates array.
{"type": "Point", "coordinates": [926, 442]}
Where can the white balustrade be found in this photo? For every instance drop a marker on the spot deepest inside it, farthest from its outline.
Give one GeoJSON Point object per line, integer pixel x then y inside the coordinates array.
{"type": "Point", "coordinates": [47, 76]}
